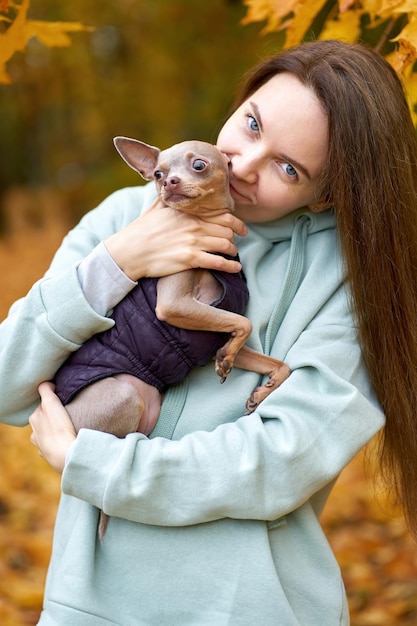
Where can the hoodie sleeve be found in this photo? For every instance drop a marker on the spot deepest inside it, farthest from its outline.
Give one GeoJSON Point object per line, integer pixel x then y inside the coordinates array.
{"type": "Point", "coordinates": [55, 317]}
{"type": "Point", "coordinates": [261, 466]}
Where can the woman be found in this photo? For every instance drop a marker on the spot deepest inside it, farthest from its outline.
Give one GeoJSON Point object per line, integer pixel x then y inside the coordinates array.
{"type": "Point", "coordinates": [215, 515]}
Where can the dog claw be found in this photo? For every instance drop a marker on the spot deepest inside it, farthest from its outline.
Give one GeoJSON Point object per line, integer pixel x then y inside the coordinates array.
{"type": "Point", "coordinates": [223, 369]}
{"type": "Point", "coordinates": [260, 393]}
{"type": "Point", "coordinates": [251, 405]}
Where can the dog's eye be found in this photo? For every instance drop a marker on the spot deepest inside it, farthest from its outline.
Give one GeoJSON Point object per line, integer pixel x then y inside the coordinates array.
{"type": "Point", "coordinates": [199, 165]}
{"type": "Point", "coordinates": [157, 174]}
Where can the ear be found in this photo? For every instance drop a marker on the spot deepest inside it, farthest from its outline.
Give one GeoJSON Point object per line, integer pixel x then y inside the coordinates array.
{"type": "Point", "coordinates": [140, 156]}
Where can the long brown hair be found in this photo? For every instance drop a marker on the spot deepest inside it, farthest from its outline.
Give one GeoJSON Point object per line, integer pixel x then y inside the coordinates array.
{"type": "Point", "coordinates": [371, 181]}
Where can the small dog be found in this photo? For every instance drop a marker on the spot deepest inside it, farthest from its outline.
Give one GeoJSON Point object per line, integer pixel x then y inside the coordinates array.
{"type": "Point", "coordinates": [106, 385]}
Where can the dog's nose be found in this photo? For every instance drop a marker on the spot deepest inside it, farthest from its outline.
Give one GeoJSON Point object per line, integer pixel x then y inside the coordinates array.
{"type": "Point", "coordinates": [172, 181]}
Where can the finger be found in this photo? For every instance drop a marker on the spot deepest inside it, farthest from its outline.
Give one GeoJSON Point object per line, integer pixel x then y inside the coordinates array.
{"type": "Point", "coordinates": [33, 418]}
{"type": "Point", "coordinates": [34, 442]}
{"type": "Point", "coordinates": [46, 389]}
{"type": "Point", "coordinates": [47, 394]}
{"type": "Point", "coordinates": [217, 262]}
{"type": "Point", "coordinates": [222, 246]}
{"type": "Point", "coordinates": [231, 221]}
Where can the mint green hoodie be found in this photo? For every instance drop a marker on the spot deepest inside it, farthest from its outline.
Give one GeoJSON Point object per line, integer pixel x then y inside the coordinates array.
{"type": "Point", "coordinates": [214, 517]}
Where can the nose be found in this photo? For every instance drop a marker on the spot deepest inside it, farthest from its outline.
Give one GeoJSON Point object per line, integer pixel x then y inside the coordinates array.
{"type": "Point", "coordinates": [244, 166]}
{"type": "Point", "coordinates": [172, 181]}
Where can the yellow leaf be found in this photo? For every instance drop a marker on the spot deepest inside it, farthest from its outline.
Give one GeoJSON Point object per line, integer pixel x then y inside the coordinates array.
{"type": "Point", "coordinates": [52, 33]}
{"type": "Point", "coordinates": [398, 6]}
{"type": "Point", "coordinates": [274, 13]}
{"type": "Point", "coordinates": [344, 5]}
{"type": "Point", "coordinates": [379, 10]}
{"type": "Point", "coordinates": [409, 32]}
{"type": "Point", "coordinates": [271, 11]}
{"type": "Point", "coordinates": [12, 40]}
{"type": "Point", "coordinates": [403, 58]}
{"type": "Point", "coordinates": [410, 86]}
{"type": "Point", "coordinates": [304, 14]}
{"type": "Point", "coordinates": [15, 38]}
{"type": "Point", "coordinates": [345, 26]}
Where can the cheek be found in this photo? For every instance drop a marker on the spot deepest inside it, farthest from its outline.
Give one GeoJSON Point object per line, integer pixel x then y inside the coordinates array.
{"type": "Point", "coordinates": [279, 199]}
{"type": "Point", "coordinates": [271, 191]}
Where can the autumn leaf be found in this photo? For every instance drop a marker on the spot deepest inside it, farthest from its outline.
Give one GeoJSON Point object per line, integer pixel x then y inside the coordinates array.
{"type": "Point", "coordinates": [345, 21]}
{"type": "Point", "coordinates": [293, 16]}
{"type": "Point", "coordinates": [53, 33]}
{"type": "Point", "coordinates": [304, 14]}
{"type": "Point", "coordinates": [373, 8]}
{"type": "Point", "coordinates": [12, 40]}
{"type": "Point", "coordinates": [344, 5]}
{"type": "Point", "coordinates": [403, 58]}
{"type": "Point", "coordinates": [409, 32]}
{"type": "Point", "coordinates": [15, 38]}
{"type": "Point", "coordinates": [272, 11]}
{"type": "Point", "coordinates": [398, 6]}
{"type": "Point", "coordinates": [345, 26]}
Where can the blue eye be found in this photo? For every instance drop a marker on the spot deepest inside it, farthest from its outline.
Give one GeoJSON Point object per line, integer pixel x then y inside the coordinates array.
{"type": "Point", "coordinates": [253, 124]}
{"type": "Point", "coordinates": [290, 171]}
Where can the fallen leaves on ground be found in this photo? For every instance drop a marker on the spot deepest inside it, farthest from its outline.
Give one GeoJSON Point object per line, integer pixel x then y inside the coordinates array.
{"type": "Point", "coordinates": [376, 554]}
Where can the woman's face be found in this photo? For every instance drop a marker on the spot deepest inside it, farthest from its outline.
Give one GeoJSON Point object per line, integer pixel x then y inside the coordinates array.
{"type": "Point", "coordinates": [277, 143]}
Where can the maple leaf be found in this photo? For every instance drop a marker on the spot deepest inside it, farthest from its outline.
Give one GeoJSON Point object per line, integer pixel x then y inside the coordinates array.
{"type": "Point", "coordinates": [408, 33]}
{"type": "Point", "coordinates": [299, 14]}
{"type": "Point", "coordinates": [344, 5]}
{"type": "Point", "coordinates": [272, 11]}
{"type": "Point", "coordinates": [410, 86]}
{"type": "Point", "coordinates": [15, 38]}
{"type": "Point", "coordinates": [304, 14]}
{"type": "Point", "coordinates": [398, 6]}
{"type": "Point", "coordinates": [345, 26]}
{"type": "Point", "coordinates": [403, 58]}
{"type": "Point", "coordinates": [375, 9]}
{"type": "Point", "coordinates": [53, 33]}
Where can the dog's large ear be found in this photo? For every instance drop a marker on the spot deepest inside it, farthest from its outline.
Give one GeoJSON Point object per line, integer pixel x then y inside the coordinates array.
{"type": "Point", "coordinates": [140, 156]}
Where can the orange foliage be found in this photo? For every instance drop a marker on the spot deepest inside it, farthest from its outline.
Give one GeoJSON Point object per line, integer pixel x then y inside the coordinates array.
{"type": "Point", "coordinates": [29, 489]}
{"type": "Point", "coordinates": [21, 29]}
{"type": "Point", "coordinates": [350, 21]}
{"type": "Point", "coordinates": [376, 554]}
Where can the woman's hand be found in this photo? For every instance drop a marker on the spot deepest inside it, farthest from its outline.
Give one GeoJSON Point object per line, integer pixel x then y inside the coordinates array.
{"type": "Point", "coordinates": [164, 241]}
{"type": "Point", "coordinates": [52, 429]}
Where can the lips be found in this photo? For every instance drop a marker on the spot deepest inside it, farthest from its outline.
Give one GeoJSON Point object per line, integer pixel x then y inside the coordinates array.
{"type": "Point", "coordinates": [236, 194]}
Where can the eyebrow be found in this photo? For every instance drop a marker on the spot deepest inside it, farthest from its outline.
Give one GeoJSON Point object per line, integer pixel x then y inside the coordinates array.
{"type": "Point", "coordinates": [285, 157]}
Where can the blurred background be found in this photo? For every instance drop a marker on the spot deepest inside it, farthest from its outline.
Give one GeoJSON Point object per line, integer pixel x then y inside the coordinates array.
{"type": "Point", "coordinates": [161, 71]}
{"type": "Point", "coordinates": [158, 71]}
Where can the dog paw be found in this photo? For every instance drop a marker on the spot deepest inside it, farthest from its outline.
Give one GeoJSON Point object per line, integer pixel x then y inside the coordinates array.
{"type": "Point", "coordinates": [222, 369]}
{"type": "Point", "coordinates": [223, 363]}
{"type": "Point", "coordinates": [260, 393]}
